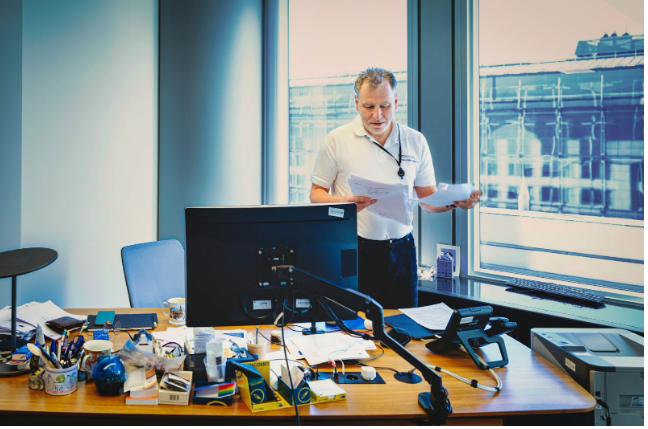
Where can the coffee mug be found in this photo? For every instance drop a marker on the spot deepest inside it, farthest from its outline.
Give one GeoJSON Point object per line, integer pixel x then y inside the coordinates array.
{"type": "Point", "coordinates": [93, 350]}
{"type": "Point", "coordinates": [176, 309]}
{"type": "Point", "coordinates": [61, 381]}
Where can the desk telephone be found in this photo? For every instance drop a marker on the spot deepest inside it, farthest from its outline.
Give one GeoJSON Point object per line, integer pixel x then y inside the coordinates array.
{"type": "Point", "coordinates": [467, 328]}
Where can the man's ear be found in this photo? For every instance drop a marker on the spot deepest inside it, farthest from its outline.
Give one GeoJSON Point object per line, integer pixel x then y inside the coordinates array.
{"type": "Point", "coordinates": [356, 101]}
{"type": "Point", "coordinates": [395, 101]}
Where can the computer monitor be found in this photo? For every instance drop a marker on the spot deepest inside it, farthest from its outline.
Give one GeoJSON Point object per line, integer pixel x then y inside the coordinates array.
{"type": "Point", "coordinates": [231, 252]}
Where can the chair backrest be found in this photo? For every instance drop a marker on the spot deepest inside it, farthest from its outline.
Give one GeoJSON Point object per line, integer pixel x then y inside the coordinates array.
{"type": "Point", "coordinates": [154, 272]}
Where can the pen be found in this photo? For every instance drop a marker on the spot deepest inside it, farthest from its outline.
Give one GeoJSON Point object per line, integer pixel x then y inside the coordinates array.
{"type": "Point", "coordinates": [65, 340]}
{"type": "Point", "coordinates": [257, 335]}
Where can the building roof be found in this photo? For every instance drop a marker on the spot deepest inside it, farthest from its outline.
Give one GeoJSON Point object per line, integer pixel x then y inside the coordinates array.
{"type": "Point", "coordinates": [579, 65]}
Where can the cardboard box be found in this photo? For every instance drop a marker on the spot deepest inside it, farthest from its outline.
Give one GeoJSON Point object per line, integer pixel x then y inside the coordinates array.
{"type": "Point", "coordinates": [174, 397]}
{"type": "Point", "coordinates": [326, 391]}
{"type": "Point", "coordinates": [221, 400]}
{"type": "Point", "coordinates": [302, 392]}
{"type": "Point", "coordinates": [256, 392]}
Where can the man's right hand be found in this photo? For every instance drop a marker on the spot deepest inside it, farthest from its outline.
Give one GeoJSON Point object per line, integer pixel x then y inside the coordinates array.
{"type": "Point", "coordinates": [361, 202]}
{"type": "Point", "coordinates": [320, 194]}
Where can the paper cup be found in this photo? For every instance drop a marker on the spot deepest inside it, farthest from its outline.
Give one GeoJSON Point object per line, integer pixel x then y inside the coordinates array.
{"type": "Point", "coordinates": [258, 348]}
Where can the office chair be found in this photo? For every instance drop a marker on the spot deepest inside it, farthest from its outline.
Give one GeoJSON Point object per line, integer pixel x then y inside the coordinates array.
{"type": "Point", "coordinates": [154, 272]}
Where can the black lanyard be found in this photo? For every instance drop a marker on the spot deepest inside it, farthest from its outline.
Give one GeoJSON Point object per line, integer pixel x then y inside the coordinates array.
{"type": "Point", "coordinates": [401, 172]}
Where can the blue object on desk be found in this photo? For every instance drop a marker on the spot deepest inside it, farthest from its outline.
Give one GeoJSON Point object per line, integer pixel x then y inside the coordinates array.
{"type": "Point", "coordinates": [100, 334]}
{"type": "Point", "coordinates": [109, 375]}
{"type": "Point", "coordinates": [445, 265]}
{"type": "Point", "coordinates": [105, 316]}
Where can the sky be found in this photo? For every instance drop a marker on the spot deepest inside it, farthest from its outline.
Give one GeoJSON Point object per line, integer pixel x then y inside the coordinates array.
{"type": "Point", "coordinates": [517, 31]}
{"type": "Point", "coordinates": [341, 37]}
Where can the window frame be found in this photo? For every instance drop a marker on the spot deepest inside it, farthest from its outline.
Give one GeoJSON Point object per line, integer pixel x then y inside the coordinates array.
{"type": "Point", "coordinates": [467, 111]}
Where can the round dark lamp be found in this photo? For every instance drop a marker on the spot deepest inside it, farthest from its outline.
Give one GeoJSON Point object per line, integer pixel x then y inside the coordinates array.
{"type": "Point", "coordinates": [14, 263]}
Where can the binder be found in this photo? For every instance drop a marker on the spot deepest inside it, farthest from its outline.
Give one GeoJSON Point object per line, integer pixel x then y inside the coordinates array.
{"type": "Point", "coordinates": [129, 322]}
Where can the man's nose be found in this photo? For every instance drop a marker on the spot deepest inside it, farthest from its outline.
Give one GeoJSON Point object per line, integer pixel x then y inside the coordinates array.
{"type": "Point", "coordinates": [377, 113]}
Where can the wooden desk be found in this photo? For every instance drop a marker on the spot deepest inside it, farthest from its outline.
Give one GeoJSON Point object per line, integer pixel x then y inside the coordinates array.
{"type": "Point", "coordinates": [531, 385]}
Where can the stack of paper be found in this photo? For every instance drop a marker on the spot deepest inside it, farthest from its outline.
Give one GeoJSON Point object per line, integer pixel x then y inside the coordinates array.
{"type": "Point", "coordinates": [393, 198]}
{"type": "Point", "coordinates": [30, 315]}
{"type": "Point", "coordinates": [317, 349]}
{"type": "Point", "coordinates": [434, 317]}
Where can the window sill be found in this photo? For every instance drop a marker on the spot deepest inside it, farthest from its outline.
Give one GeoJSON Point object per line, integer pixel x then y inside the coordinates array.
{"type": "Point", "coordinates": [618, 311]}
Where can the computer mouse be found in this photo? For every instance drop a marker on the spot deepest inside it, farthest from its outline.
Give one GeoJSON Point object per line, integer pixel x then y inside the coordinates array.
{"type": "Point", "coordinates": [400, 335]}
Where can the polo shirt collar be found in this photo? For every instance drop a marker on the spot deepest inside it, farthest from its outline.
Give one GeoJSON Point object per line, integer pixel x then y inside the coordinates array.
{"type": "Point", "coordinates": [360, 131]}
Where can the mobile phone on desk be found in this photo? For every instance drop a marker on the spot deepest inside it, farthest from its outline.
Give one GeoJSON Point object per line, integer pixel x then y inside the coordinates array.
{"type": "Point", "coordinates": [105, 316]}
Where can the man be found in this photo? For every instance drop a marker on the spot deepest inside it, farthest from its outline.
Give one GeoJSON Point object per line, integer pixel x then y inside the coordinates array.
{"type": "Point", "coordinates": [376, 147]}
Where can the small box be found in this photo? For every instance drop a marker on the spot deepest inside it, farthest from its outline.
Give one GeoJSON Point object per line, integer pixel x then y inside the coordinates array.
{"type": "Point", "coordinates": [326, 391]}
{"type": "Point", "coordinates": [174, 397]}
{"type": "Point", "coordinates": [220, 400]}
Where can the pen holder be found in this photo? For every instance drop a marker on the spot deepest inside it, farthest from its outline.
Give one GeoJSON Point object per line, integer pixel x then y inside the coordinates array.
{"type": "Point", "coordinates": [62, 381]}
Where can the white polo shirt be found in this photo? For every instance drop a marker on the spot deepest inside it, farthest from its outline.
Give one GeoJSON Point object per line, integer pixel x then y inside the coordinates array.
{"type": "Point", "coordinates": [349, 149]}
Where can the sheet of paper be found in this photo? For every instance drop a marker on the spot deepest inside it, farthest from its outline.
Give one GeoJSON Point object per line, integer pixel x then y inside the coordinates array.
{"type": "Point", "coordinates": [395, 207]}
{"type": "Point", "coordinates": [448, 194]}
{"type": "Point", "coordinates": [393, 198]}
{"type": "Point", "coordinates": [296, 375]}
{"type": "Point", "coordinates": [278, 356]}
{"type": "Point", "coordinates": [42, 312]}
{"type": "Point", "coordinates": [135, 379]}
{"type": "Point", "coordinates": [318, 349]}
{"type": "Point", "coordinates": [171, 335]}
{"type": "Point", "coordinates": [235, 335]}
{"type": "Point", "coordinates": [434, 317]}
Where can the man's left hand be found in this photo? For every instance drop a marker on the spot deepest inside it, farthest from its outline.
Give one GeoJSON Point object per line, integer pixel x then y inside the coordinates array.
{"type": "Point", "coordinates": [469, 203]}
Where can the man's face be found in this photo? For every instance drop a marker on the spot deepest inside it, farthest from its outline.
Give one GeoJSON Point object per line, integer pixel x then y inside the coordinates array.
{"type": "Point", "coordinates": [377, 107]}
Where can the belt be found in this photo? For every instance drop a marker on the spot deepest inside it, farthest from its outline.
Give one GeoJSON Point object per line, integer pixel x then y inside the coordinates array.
{"type": "Point", "coordinates": [391, 241]}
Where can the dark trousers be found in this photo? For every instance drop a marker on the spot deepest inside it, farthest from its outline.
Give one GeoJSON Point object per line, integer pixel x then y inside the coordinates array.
{"type": "Point", "coordinates": [388, 271]}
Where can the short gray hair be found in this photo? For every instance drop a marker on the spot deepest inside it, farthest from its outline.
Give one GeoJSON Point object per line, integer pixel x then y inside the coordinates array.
{"type": "Point", "coordinates": [375, 77]}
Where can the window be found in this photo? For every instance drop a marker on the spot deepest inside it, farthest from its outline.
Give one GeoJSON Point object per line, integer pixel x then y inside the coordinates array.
{"type": "Point", "coordinates": [560, 98]}
{"type": "Point", "coordinates": [330, 43]}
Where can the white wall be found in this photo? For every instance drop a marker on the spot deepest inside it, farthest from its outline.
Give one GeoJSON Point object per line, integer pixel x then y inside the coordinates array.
{"type": "Point", "coordinates": [89, 144]}
{"type": "Point", "coordinates": [211, 55]}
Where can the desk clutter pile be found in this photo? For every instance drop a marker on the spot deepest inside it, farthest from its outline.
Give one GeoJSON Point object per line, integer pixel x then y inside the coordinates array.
{"type": "Point", "coordinates": [161, 367]}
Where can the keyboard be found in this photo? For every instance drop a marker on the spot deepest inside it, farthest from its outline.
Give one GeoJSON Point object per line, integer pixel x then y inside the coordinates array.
{"type": "Point", "coordinates": [561, 292]}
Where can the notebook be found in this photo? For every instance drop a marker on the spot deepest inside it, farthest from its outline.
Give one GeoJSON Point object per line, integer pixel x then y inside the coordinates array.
{"type": "Point", "coordinates": [416, 331]}
{"type": "Point", "coordinates": [129, 322]}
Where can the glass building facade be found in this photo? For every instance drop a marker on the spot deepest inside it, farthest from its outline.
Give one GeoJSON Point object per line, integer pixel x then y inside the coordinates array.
{"type": "Point", "coordinates": [566, 136]}
{"type": "Point", "coordinates": [558, 137]}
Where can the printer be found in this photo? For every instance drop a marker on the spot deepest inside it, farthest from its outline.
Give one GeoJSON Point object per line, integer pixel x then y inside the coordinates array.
{"type": "Point", "coordinates": [609, 363]}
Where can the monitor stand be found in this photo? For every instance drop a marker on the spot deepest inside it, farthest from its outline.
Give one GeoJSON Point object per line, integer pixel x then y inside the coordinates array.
{"type": "Point", "coordinates": [312, 330]}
